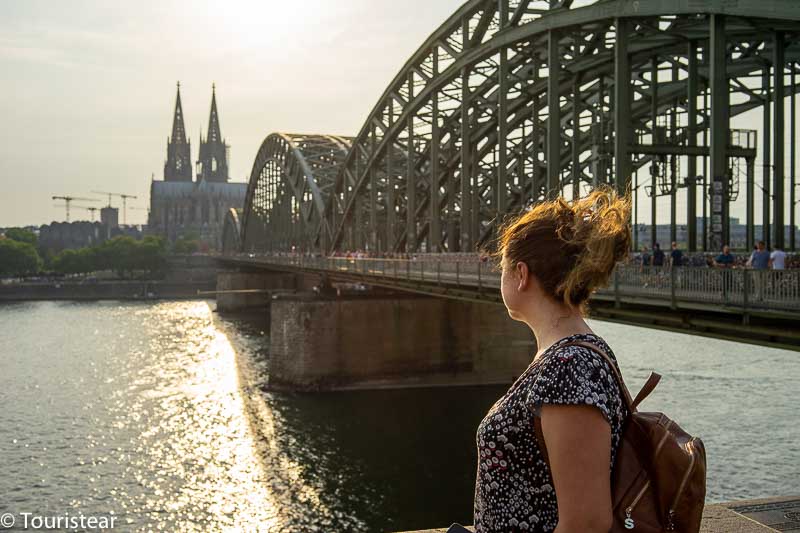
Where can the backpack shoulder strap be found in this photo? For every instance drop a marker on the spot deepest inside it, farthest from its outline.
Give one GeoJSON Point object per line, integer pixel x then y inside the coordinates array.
{"type": "Point", "coordinates": [651, 383]}
{"type": "Point", "coordinates": [632, 404]}
{"type": "Point", "coordinates": [648, 387]}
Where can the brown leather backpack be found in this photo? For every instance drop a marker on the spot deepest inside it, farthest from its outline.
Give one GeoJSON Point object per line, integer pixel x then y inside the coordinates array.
{"type": "Point", "coordinates": [659, 478]}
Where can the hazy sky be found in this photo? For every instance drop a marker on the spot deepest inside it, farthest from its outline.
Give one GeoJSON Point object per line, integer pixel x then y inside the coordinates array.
{"type": "Point", "coordinates": [88, 87]}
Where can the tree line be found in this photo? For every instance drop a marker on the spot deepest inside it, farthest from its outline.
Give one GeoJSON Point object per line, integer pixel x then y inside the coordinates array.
{"type": "Point", "coordinates": [21, 256]}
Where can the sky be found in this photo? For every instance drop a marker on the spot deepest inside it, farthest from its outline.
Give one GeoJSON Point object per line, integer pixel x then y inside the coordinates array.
{"type": "Point", "coordinates": [88, 87]}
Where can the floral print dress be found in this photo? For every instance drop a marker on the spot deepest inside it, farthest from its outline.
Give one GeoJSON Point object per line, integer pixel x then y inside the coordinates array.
{"type": "Point", "coordinates": [514, 489]}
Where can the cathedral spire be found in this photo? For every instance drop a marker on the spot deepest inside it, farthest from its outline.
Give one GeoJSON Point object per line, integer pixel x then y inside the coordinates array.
{"type": "Point", "coordinates": [178, 166]}
{"type": "Point", "coordinates": [213, 161]}
{"type": "Point", "coordinates": [178, 129]}
{"type": "Point", "coordinates": [214, 134]}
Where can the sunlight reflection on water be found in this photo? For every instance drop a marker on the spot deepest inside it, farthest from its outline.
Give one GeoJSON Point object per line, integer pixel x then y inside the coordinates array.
{"type": "Point", "coordinates": [151, 414]}
{"type": "Point", "coordinates": [200, 439]}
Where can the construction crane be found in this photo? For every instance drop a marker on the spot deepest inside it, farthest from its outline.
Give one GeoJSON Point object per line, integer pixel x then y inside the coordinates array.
{"type": "Point", "coordinates": [88, 208]}
{"type": "Point", "coordinates": [68, 200]}
{"type": "Point", "coordinates": [92, 210]}
{"type": "Point", "coordinates": [124, 202]}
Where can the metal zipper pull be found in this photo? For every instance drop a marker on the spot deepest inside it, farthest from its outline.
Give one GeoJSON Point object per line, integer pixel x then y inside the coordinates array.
{"type": "Point", "coordinates": [671, 520]}
{"type": "Point", "coordinates": [629, 523]}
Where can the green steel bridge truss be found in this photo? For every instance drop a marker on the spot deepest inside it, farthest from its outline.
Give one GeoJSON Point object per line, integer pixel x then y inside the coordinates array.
{"type": "Point", "coordinates": [510, 102]}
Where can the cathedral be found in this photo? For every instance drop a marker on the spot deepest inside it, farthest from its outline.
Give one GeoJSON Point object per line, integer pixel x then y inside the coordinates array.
{"type": "Point", "coordinates": [183, 207]}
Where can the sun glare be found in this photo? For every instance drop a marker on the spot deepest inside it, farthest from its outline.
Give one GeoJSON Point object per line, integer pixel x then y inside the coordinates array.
{"type": "Point", "coordinates": [253, 23]}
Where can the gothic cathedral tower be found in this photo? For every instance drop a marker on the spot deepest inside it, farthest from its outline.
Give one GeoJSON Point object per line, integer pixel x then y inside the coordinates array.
{"type": "Point", "coordinates": [212, 165]}
{"type": "Point", "coordinates": [178, 166]}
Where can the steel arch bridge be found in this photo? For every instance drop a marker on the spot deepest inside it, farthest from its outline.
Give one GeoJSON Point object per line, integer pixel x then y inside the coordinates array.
{"type": "Point", "coordinates": [291, 178]}
{"type": "Point", "coordinates": [513, 101]}
{"type": "Point", "coordinates": [232, 231]}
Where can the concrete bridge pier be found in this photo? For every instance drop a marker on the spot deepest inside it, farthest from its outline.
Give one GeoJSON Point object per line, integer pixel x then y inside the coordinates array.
{"type": "Point", "coordinates": [381, 341]}
{"type": "Point", "coordinates": [255, 281]}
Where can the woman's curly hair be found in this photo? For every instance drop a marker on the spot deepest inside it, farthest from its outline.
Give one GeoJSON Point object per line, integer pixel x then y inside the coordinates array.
{"type": "Point", "coordinates": [571, 247]}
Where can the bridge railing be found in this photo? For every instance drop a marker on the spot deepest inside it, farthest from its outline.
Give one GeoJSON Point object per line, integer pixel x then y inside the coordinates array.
{"type": "Point", "coordinates": [481, 274]}
{"type": "Point", "coordinates": [745, 289]}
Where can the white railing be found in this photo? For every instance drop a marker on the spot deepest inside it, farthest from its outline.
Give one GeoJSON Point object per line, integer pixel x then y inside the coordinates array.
{"type": "Point", "coordinates": [739, 288]}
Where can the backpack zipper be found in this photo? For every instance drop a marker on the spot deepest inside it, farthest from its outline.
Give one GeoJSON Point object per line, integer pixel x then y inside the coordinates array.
{"type": "Point", "coordinates": [663, 439]}
{"type": "Point", "coordinates": [692, 461]}
{"type": "Point", "coordinates": [629, 523]}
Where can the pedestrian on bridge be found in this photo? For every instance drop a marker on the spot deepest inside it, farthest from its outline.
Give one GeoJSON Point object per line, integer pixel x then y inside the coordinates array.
{"type": "Point", "coordinates": [759, 260]}
{"type": "Point", "coordinates": [777, 259]}
{"type": "Point", "coordinates": [645, 258]}
{"type": "Point", "coordinates": [658, 255]}
{"type": "Point", "coordinates": [675, 256]}
{"type": "Point", "coordinates": [544, 447]}
{"type": "Point", "coordinates": [725, 259]}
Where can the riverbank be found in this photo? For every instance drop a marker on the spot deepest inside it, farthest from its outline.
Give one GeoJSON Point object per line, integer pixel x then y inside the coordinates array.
{"type": "Point", "coordinates": [104, 290]}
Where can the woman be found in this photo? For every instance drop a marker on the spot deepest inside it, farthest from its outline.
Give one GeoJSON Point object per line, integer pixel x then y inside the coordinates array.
{"type": "Point", "coordinates": [552, 258]}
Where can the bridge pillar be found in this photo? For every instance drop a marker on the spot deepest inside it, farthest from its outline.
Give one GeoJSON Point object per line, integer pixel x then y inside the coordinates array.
{"type": "Point", "coordinates": [262, 281]}
{"type": "Point", "coordinates": [392, 341]}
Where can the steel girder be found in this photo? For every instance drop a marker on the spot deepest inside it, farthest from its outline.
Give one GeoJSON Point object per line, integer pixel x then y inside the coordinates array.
{"type": "Point", "coordinates": [466, 132]}
{"type": "Point", "coordinates": [232, 232]}
{"type": "Point", "coordinates": [292, 177]}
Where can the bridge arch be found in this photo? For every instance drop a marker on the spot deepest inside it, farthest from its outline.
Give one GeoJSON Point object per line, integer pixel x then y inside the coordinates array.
{"type": "Point", "coordinates": [232, 232]}
{"type": "Point", "coordinates": [513, 101]}
{"type": "Point", "coordinates": [466, 131]}
{"type": "Point", "coordinates": [292, 176]}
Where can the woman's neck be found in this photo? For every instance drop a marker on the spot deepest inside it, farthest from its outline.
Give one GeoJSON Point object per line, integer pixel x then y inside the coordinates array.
{"type": "Point", "coordinates": [552, 322]}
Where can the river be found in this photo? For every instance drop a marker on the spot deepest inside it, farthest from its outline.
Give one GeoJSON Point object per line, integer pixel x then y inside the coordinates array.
{"type": "Point", "coordinates": [139, 410]}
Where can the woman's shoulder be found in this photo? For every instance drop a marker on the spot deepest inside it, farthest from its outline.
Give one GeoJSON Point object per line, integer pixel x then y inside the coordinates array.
{"type": "Point", "coordinates": [574, 358]}
{"type": "Point", "coordinates": [576, 374]}
{"type": "Point", "coordinates": [582, 346]}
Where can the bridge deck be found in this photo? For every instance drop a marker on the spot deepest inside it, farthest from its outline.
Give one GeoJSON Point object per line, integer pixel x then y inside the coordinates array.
{"type": "Point", "coordinates": [736, 291]}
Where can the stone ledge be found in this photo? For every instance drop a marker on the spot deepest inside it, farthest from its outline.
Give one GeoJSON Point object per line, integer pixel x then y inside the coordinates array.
{"type": "Point", "coordinates": [778, 514]}
{"type": "Point", "coordinates": [749, 516]}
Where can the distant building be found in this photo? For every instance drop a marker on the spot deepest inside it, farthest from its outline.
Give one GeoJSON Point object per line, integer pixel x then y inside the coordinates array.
{"type": "Point", "coordinates": [738, 233]}
{"type": "Point", "coordinates": [58, 236]}
{"type": "Point", "coordinates": [182, 207]}
{"type": "Point", "coordinates": [109, 217]}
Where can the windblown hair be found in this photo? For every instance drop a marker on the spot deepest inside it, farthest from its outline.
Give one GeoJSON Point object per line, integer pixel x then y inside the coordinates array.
{"type": "Point", "coordinates": [571, 247]}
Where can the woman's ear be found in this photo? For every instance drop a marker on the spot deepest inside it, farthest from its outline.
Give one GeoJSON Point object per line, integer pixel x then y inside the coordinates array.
{"type": "Point", "coordinates": [523, 274]}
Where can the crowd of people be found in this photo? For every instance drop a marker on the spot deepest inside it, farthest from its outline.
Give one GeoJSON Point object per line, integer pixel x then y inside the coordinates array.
{"type": "Point", "coordinates": [759, 259]}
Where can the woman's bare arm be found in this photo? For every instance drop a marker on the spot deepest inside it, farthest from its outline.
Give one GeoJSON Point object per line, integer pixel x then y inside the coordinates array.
{"type": "Point", "coordinates": [578, 440]}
